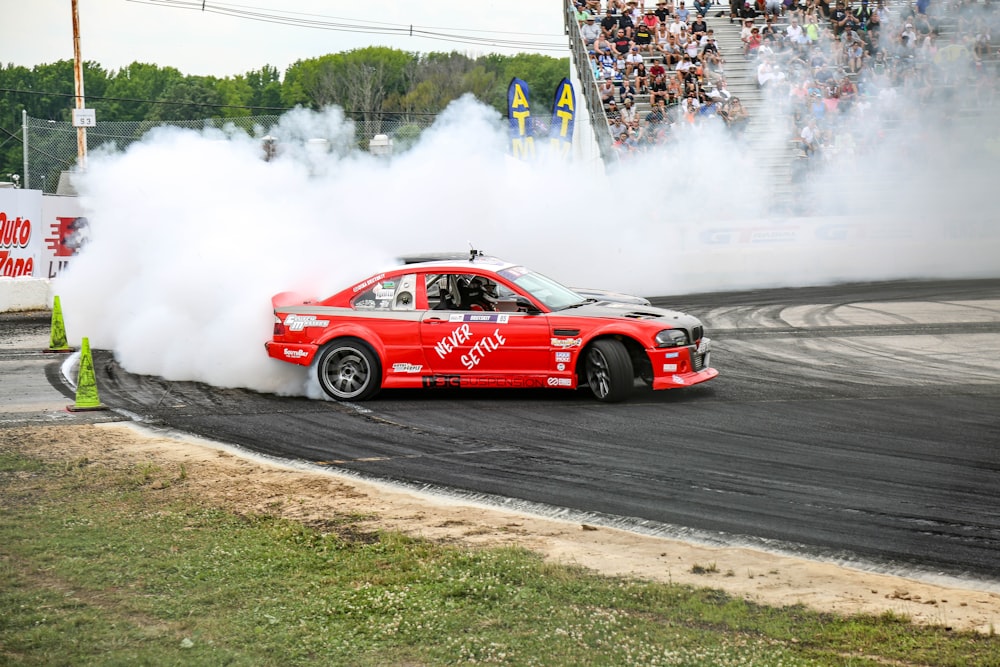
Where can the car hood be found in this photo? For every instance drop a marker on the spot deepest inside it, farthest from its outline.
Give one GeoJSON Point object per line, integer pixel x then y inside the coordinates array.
{"type": "Point", "coordinates": [671, 319]}
{"type": "Point", "coordinates": [604, 295]}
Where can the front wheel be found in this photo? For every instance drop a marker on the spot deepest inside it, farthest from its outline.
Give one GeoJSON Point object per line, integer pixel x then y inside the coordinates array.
{"type": "Point", "coordinates": [609, 370]}
{"type": "Point", "coordinates": [348, 370]}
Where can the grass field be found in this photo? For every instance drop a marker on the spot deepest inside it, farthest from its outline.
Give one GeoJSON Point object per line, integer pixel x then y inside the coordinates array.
{"type": "Point", "coordinates": [126, 565]}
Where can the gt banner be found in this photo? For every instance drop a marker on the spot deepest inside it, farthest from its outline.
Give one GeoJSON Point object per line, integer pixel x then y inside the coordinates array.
{"type": "Point", "coordinates": [522, 131]}
{"type": "Point", "coordinates": [563, 119]}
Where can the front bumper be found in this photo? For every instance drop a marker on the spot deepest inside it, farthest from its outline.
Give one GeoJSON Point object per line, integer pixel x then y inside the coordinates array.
{"type": "Point", "coordinates": [682, 366]}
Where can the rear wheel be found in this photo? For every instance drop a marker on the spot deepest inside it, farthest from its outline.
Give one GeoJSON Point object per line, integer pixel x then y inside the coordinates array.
{"type": "Point", "coordinates": [348, 370]}
{"type": "Point", "coordinates": [609, 370]}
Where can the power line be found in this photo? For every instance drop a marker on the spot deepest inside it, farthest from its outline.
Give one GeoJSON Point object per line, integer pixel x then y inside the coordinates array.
{"type": "Point", "coordinates": [130, 99]}
{"type": "Point", "coordinates": [208, 104]}
{"type": "Point", "coordinates": [337, 24]}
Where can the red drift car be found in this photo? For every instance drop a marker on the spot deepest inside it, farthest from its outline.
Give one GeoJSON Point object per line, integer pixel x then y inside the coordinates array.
{"type": "Point", "coordinates": [483, 322]}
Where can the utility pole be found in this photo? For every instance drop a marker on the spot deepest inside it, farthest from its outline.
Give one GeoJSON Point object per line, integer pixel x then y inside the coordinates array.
{"type": "Point", "coordinates": [79, 119]}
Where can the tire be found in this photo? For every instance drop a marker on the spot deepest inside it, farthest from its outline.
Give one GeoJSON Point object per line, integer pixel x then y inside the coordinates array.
{"type": "Point", "coordinates": [348, 370]}
{"type": "Point", "coordinates": [609, 370]}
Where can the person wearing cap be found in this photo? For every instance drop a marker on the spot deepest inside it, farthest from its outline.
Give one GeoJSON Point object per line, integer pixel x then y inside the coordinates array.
{"type": "Point", "coordinates": [662, 12]}
{"type": "Point", "coordinates": [838, 18]}
{"type": "Point", "coordinates": [644, 36]}
{"type": "Point", "coordinates": [612, 111]}
{"type": "Point", "coordinates": [747, 12]}
{"type": "Point", "coordinates": [710, 55]}
{"type": "Point", "coordinates": [908, 36]}
{"type": "Point", "coordinates": [626, 23]}
{"type": "Point", "coordinates": [745, 34]}
{"type": "Point", "coordinates": [590, 31]}
{"type": "Point", "coordinates": [628, 111]}
{"type": "Point", "coordinates": [632, 59]}
{"type": "Point", "coordinates": [683, 38]}
{"type": "Point", "coordinates": [683, 13]}
{"type": "Point", "coordinates": [609, 24]}
{"type": "Point", "coordinates": [753, 43]}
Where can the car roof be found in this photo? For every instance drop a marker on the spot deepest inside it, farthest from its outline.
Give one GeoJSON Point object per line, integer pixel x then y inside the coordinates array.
{"type": "Point", "coordinates": [456, 261]}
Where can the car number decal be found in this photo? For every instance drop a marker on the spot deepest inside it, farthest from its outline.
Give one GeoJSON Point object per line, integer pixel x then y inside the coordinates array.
{"type": "Point", "coordinates": [499, 318]}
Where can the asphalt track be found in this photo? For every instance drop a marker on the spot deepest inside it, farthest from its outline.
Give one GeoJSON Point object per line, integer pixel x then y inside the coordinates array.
{"type": "Point", "coordinates": [858, 423]}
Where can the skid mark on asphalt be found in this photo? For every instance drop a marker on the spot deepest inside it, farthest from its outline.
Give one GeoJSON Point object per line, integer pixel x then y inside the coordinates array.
{"type": "Point", "coordinates": [374, 459]}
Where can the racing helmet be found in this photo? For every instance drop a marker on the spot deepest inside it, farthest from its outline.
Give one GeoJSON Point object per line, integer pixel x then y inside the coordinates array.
{"type": "Point", "coordinates": [483, 286]}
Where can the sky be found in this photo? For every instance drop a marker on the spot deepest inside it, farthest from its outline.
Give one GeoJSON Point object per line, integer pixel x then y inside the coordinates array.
{"type": "Point", "coordinates": [176, 33]}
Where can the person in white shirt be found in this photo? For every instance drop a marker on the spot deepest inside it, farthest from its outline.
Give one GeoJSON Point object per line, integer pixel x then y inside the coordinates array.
{"type": "Point", "coordinates": [675, 27]}
{"type": "Point", "coordinates": [631, 60]}
{"type": "Point", "coordinates": [628, 112]}
{"type": "Point", "coordinates": [796, 35]}
{"type": "Point", "coordinates": [590, 31]}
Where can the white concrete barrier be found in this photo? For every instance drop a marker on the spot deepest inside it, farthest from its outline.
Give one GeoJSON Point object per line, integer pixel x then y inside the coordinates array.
{"type": "Point", "coordinates": [20, 294]}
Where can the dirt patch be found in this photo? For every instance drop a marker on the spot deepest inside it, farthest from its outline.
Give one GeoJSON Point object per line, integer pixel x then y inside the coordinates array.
{"type": "Point", "coordinates": [255, 486]}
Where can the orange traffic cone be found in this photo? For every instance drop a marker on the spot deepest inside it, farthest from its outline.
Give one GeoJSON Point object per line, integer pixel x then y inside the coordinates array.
{"type": "Point", "coordinates": [86, 383]}
{"type": "Point", "coordinates": [57, 335]}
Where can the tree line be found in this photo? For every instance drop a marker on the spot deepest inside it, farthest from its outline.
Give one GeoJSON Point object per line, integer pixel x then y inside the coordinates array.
{"type": "Point", "coordinates": [373, 80]}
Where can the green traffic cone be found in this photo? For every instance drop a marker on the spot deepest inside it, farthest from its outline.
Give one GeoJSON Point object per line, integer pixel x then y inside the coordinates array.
{"type": "Point", "coordinates": [86, 383]}
{"type": "Point", "coordinates": [57, 336]}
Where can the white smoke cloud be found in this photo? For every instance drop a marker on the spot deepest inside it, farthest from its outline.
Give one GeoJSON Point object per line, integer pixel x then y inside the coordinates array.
{"type": "Point", "coordinates": [192, 232]}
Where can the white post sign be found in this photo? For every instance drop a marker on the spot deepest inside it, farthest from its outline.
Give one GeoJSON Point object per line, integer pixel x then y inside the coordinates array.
{"type": "Point", "coordinates": [84, 118]}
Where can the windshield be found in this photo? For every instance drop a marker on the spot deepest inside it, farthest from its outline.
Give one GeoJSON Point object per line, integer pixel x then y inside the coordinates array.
{"type": "Point", "coordinates": [546, 290]}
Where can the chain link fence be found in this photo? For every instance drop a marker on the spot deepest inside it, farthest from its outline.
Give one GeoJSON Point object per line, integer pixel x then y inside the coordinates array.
{"type": "Point", "coordinates": [51, 147]}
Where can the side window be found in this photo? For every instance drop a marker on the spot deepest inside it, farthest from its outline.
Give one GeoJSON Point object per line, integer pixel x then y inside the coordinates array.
{"type": "Point", "coordinates": [396, 293]}
{"type": "Point", "coordinates": [438, 291]}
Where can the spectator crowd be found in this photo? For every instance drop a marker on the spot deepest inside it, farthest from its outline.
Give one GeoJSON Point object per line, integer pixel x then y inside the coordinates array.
{"type": "Point", "coordinates": [826, 65]}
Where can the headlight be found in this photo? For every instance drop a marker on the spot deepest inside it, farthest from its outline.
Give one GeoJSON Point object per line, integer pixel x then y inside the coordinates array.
{"type": "Point", "coordinates": [671, 338]}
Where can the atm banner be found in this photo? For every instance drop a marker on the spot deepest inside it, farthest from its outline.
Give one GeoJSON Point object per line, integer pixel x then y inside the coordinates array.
{"type": "Point", "coordinates": [563, 118]}
{"type": "Point", "coordinates": [522, 130]}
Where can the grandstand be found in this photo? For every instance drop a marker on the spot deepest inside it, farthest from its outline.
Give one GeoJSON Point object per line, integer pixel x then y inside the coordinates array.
{"type": "Point", "coordinates": [950, 52]}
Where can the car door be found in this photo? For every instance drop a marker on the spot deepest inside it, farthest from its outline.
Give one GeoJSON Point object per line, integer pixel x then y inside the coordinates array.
{"type": "Point", "coordinates": [484, 348]}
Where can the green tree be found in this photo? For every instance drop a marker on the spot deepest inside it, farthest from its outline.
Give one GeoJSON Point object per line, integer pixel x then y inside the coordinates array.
{"type": "Point", "coordinates": [136, 88]}
{"type": "Point", "coordinates": [191, 98]}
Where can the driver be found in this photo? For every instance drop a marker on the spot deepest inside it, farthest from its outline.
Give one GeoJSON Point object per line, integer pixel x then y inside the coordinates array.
{"type": "Point", "coordinates": [481, 295]}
